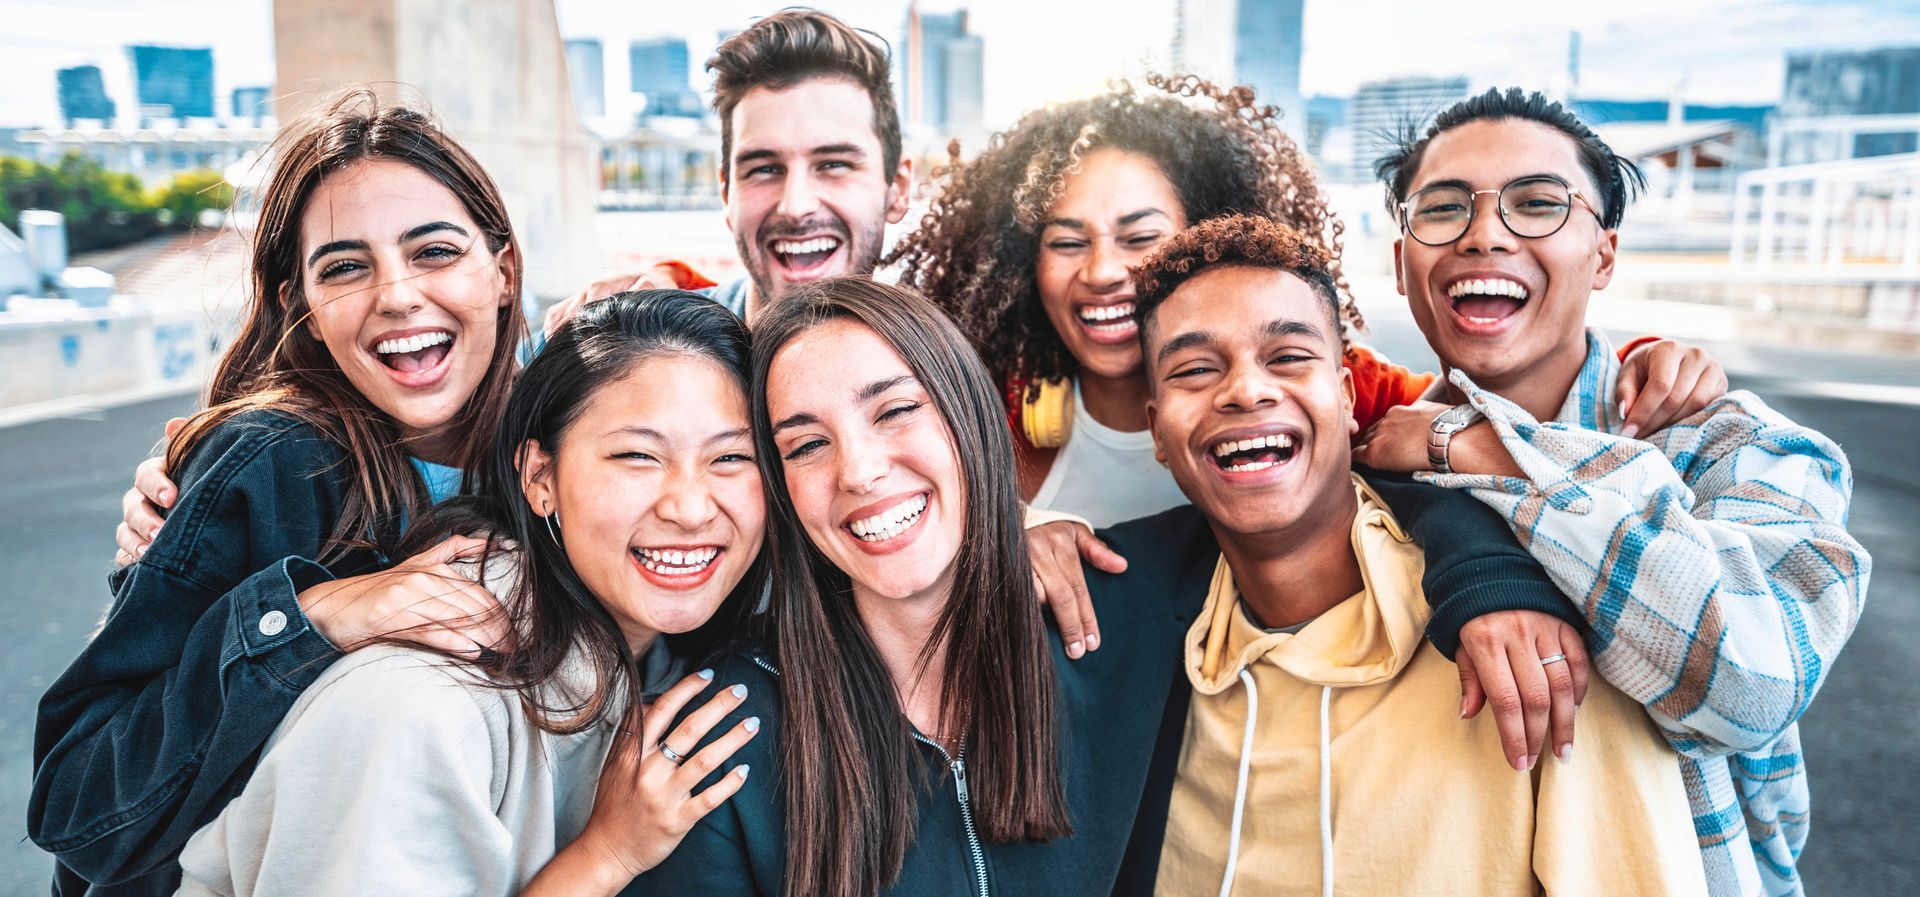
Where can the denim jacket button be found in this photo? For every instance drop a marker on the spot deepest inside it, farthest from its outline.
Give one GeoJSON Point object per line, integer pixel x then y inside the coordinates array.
{"type": "Point", "coordinates": [272, 622]}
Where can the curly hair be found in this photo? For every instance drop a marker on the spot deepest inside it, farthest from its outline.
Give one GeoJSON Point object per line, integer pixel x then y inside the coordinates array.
{"type": "Point", "coordinates": [976, 249]}
{"type": "Point", "coordinates": [1242, 240]}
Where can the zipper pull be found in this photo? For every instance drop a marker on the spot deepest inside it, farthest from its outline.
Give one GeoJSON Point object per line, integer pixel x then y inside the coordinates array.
{"type": "Point", "coordinates": [960, 777]}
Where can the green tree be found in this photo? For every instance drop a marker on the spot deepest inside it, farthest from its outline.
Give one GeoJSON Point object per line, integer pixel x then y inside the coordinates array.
{"type": "Point", "coordinates": [190, 193]}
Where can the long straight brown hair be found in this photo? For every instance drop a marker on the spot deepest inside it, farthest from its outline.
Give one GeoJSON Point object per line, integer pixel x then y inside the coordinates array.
{"type": "Point", "coordinates": [274, 365]}
{"type": "Point", "coordinates": [846, 752]}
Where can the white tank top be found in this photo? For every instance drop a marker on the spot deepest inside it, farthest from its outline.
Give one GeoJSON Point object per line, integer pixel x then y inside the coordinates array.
{"type": "Point", "coordinates": [1106, 475]}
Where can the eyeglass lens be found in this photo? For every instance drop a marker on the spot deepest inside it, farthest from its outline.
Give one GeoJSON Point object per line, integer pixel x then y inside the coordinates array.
{"type": "Point", "coordinates": [1531, 208]}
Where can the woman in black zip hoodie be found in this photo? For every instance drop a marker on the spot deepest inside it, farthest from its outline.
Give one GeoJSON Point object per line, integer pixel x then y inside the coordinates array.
{"type": "Point", "coordinates": [927, 734]}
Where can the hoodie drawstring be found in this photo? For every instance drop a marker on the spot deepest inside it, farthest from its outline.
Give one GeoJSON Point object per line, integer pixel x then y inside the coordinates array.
{"type": "Point", "coordinates": [1326, 794]}
{"type": "Point", "coordinates": [1326, 788]}
{"type": "Point", "coordinates": [1240, 789]}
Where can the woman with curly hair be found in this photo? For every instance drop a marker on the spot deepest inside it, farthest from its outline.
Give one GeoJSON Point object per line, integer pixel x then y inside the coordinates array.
{"type": "Point", "coordinates": [1029, 248]}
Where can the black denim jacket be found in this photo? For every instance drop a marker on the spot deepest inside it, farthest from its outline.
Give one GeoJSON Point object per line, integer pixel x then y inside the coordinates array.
{"type": "Point", "coordinates": [157, 724]}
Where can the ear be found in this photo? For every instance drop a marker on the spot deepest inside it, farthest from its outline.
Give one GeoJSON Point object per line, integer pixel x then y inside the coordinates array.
{"type": "Point", "coordinates": [307, 319]}
{"type": "Point", "coordinates": [1399, 269]}
{"type": "Point", "coordinates": [535, 465]}
{"type": "Point", "coordinates": [1153, 418]}
{"type": "Point", "coordinates": [1347, 399]}
{"type": "Point", "coordinates": [509, 284]}
{"type": "Point", "coordinates": [900, 191]}
{"type": "Point", "coordinates": [726, 191]}
{"type": "Point", "coordinates": [1608, 250]}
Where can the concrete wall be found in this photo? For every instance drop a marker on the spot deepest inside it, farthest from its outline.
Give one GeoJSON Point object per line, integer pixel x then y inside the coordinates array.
{"type": "Point", "coordinates": [100, 352]}
{"type": "Point", "coordinates": [495, 75]}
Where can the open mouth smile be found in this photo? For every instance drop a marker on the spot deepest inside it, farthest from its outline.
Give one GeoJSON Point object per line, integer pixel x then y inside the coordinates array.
{"type": "Point", "coordinates": [890, 523]}
{"type": "Point", "coordinates": [1252, 454]}
{"type": "Point", "coordinates": [678, 567]}
{"type": "Point", "coordinates": [416, 358]}
{"type": "Point", "coordinates": [1110, 323]}
{"type": "Point", "coordinates": [805, 257]}
{"type": "Point", "coordinates": [1486, 304]}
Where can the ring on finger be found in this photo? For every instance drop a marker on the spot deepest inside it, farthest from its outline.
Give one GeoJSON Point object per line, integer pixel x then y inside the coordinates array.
{"type": "Point", "coordinates": [1557, 658]}
{"type": "Point", "coordinates": [674, 757]}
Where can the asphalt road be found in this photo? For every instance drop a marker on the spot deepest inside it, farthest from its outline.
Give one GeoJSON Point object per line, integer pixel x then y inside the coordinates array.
{"type": "Point", "coordinates": [60, 483]}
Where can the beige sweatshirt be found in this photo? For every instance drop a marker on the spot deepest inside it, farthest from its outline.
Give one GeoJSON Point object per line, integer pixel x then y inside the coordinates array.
{"type": "Point", "coordinates": [1360, 764]}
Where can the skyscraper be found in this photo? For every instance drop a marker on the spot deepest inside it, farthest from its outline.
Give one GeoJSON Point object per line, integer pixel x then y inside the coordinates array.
{"type": "Point", "coordinates": [941, 72]}
{"type": "Point", "coordinates": [253, 103]}
{"type": "Point", "coordinates": [659, 70]}
{"type": "Point", "coordinates": [177, 78]}
{"type": "Point", "coordinates": [1851, 82]}
{"type": "Point", "coordinates": [1381, 110]}
{"type": "Point", "coordinates": [1251, 42]}
{"type": "Point", "coordinates": [84, 95]}
{"type": "Point", "coordinates": [586, 69]}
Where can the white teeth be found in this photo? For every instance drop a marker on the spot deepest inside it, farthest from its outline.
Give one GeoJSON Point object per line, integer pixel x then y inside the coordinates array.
{"type": "Point", "coordinates": [1275, 441]}
{"type": "Point", "coordinates": [796, 247]}
{"type": "Point", "coordinates": [1251, 466]}
{"type": "Point", "coordinates": [412, 343]}
{"type": "Point", "coordinates": [1488, 287]}
{"type": "Point", "coordinates": [1101, 313]}
{"type": "Point", "coordinates": [676, 563]}
{"type": "Point", "coordinates": [890, 522]}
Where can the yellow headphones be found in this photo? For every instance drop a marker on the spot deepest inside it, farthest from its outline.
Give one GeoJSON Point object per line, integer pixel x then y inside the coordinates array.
{"type": "Point", "coordinates": [1046, 415]}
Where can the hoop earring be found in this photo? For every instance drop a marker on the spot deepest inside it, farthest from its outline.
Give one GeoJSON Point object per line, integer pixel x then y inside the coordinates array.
{"type": "Point", "coordinates": [550, 520]}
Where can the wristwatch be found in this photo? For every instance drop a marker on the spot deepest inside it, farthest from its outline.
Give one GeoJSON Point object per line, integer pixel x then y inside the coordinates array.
{"type": "Point", "coordinates": [1440, 436]}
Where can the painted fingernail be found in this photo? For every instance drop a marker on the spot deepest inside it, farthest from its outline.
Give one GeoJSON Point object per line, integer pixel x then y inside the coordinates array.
{"type": "Point", "coordinates": [1093, 642]}
{"type": "Point", "coordinates": [741, 770]}
{"type": "Point", "coordinates": [1566, 752]}
{"type": "Point", "coordinates": [1075, 649]}
{"type": "Point", "coordinates": [753, 724]}
{"type": "Point", "coordinates": [705, 674]}
{"type": "Point", "coordinates": [1630, 430]}
{"type": "Point", "coordinates": [739, 691]}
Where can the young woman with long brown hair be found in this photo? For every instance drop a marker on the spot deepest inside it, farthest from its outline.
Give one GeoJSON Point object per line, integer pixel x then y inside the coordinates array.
{"type": "Point", "coordinates": [370, 371]}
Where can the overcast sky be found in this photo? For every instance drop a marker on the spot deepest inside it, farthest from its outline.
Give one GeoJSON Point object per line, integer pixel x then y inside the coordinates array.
{"type": "Point", "coordinates": [1723, 51]}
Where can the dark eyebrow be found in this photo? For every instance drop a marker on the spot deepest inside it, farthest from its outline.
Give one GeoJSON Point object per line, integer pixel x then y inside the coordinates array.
{"type": "Point", "coordinates": [729, 435]}
{"type": "Point", "coordinates": [839, 149]}
{"type": "Point", "coordinates": [1275, 329]}
{"type": "Point", "coordinates": [1190, 339]}
{"type": "Point", "coordinates": [336, 246]}
{"type": "Point", "coordinates": [1124, 220]}
{"type": "Point", "coordinates": [433, 227]}
{"type": "Point", "coordinates": [795, 420]}
{"type": "Point", "coordinates": [657, 436]}
{"type": "Point", "coordinates": [873, 390]}
{"type": "Point", "coordinates": [1459, 184]}
{"type": "Point", "coordinates": [745, 156]}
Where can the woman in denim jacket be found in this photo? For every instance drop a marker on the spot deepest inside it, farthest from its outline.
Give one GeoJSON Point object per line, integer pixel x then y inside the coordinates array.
{"type": "Point", "coordinates": [371, 370]}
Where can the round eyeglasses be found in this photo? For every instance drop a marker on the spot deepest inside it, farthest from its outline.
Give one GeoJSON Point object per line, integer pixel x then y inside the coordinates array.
{"type": "Point", "coordinates": [1531, 207]}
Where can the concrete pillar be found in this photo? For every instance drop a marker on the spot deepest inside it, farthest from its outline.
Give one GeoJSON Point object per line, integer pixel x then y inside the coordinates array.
{"type": "Point", "coordinates": [493, 74]}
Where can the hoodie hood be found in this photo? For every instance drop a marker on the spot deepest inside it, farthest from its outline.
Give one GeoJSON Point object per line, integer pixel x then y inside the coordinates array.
{"type": "Point", "coordinates": [1367, 639]}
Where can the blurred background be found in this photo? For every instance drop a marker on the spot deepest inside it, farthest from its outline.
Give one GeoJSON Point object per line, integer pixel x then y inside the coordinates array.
{"type": "Point", "coordinates": [1781, 230]}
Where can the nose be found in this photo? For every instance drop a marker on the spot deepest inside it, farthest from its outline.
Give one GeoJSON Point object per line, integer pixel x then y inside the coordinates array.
{"type": "Point", "coordinates": [1486, 233]}
{"type": "Point", "coordinates": [1247, 386]}
{"type": "Point", "coordinates": [862, 463]}
{"type": "Point", "coordinates": [397, 297]}
{"type": "Point", "coordinates": [1106, 268]}
{"type": "Point", "coordinates": [687, 502]}
{"type": "Point", "coordinates": [798, 196]}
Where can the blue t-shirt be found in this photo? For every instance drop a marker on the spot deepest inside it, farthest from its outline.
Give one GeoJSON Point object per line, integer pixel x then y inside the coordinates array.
{"type": "Point", "coordinates": [442, 482]}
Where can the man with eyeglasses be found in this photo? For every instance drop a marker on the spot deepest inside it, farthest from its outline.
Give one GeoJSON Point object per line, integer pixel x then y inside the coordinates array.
{"type": "Point", "coordinates": [1710, 558]}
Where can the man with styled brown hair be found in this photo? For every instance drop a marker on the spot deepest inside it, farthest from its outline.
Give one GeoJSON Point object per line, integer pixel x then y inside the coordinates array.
{"type": "Point", "coordinates": [811, 167]}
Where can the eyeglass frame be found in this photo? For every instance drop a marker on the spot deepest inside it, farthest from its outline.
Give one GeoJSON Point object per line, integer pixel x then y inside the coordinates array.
{"type": "Point", "coordinates": [1473, 209]}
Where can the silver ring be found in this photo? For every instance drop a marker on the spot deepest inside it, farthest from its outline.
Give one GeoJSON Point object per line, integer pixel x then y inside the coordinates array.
{"type": "Point", "coordinates": [1557, 658]}
{"type": "Point", "coordinates": [674, 757]}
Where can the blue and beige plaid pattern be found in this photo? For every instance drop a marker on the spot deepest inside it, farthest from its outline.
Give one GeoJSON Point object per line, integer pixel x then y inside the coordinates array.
{"type": "Point", "coordinates": [1714, 565]}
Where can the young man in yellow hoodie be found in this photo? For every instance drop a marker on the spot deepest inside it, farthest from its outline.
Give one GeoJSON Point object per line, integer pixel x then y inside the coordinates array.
{"type": "Point", "coordinates": [1320, 746]}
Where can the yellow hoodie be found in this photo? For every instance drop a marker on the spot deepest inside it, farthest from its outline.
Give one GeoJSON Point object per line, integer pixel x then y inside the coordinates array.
{"type": "Point", "coordinates": [1355, 768]}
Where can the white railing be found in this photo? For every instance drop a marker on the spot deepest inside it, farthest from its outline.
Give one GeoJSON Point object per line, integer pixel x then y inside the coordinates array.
{"type": "Point", "coordinates": [1842, 213]}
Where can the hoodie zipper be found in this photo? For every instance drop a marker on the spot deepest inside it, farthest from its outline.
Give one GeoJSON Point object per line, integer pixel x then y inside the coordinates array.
{"type": "Point", "coordinates": [958, 765]}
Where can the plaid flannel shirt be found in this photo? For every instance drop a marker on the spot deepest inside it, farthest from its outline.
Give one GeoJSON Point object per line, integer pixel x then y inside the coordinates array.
{"type": "Point", "coordinates": [1714, 565]}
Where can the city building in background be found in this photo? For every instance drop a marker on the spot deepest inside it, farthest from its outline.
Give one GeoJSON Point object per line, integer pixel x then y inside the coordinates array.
{"type": "Point", "coordinates": [155, 155]}
{"type": "Point", "coordinates": [1837, 83]}
{"type": "Point", "coordinates": [660, 69]}
{"type": "Point", "coordinates": [1382, 110]}
{"type": "Point", "coordinates": [172, 82]}
{"type": "Point", "coordinates": [83, 95]}
{"type": "Point", "coordinates": [940, 71]}
{"type": "Point", "coordinates": [586, 69]}
{"type": "Point", "coordinates": [1251, 42]}
{"type": "Point", "coordinates": [253, 105]}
